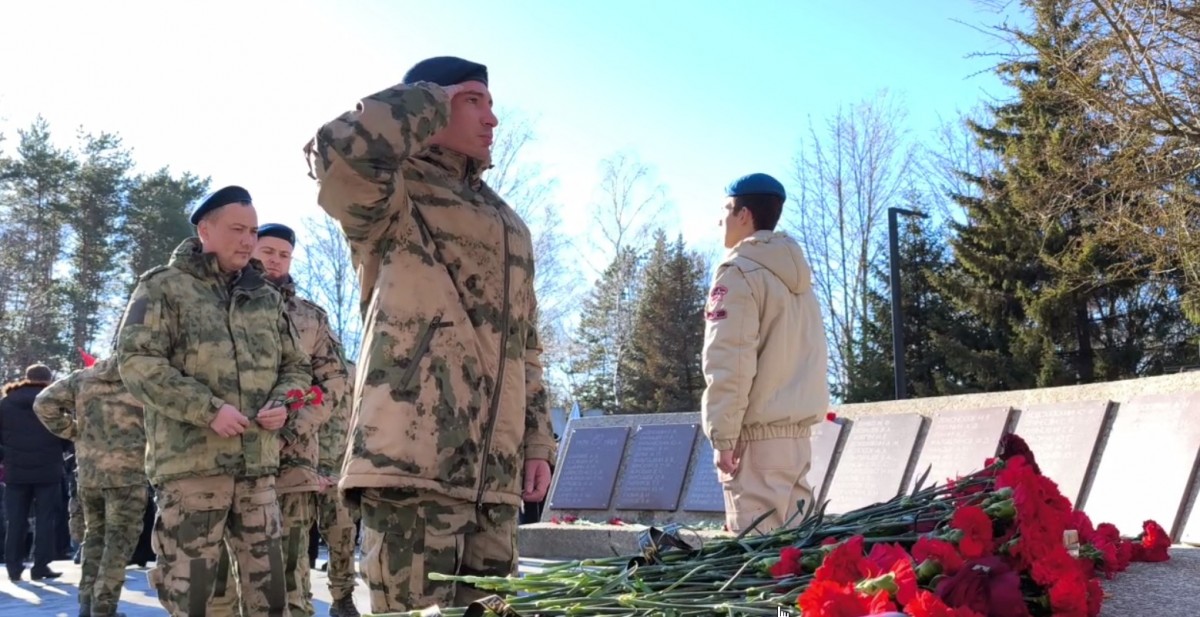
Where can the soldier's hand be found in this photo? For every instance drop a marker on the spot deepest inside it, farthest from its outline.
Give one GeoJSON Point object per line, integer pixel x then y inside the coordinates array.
{"type": "Point", "coordinates": [537, 480]}
{"type": "Point", "coordinates": [229, 421]}
{"type": "Point", "coordinates": [272, 418]}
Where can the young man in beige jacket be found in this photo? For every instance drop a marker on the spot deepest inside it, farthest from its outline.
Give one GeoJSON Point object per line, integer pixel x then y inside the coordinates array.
{"type": "Point", "coordinates": [765, 361]}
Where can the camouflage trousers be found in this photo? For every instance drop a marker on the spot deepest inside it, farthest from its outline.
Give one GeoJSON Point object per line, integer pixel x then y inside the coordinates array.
{"type": "Point", "coordinates": [408, 534]}
{"type": "Point", "coordinates": [196, 517]}
{"type": "Point", "coordinates": [298, 511]}
{"type": "Point", "coordinates": [114, 524]}
{"type": "Point", "coordinates": [336, 522]}
{"type": "Point", "coordinates": [75, 524]}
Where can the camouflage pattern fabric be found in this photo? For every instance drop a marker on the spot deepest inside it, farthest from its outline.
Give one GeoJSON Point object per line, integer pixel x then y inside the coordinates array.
{"type": "Point", "coordinates": [75, 523]}
{"type": "Point", "coordinates": [332, 434]}
{"type": "Point", "coordinates": [408, 534]}
{"type": "Point", "coordinates": [193, 339]}
{"type": "Point", "coordinates": [298, 511]}
{"type": "Point", "coordinates": [114, 524]}
{"type": "Point", "coordinates": [93, 408]}
{"type": "Point", "coordinates": [337, 523]}
{"type": "Point", "coordinates": [194, 514]}
{"type": "Point", "coordinates": [301, 453]}
{"type": "Point", "coordinates": [449, 394]}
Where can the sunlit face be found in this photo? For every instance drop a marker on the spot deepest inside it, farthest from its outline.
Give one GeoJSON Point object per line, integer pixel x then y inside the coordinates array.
{"type": "Point", "coordinates": [738, 225]}
{"type": "Point", "coordinates": [471, 122]}
{"type": "Point", "coordinates": [275, 255]}
{"type": "Point", "coordinates": [230, 232]}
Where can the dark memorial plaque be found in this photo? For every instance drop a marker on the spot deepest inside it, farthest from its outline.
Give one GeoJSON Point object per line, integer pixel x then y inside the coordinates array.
{"type": "Point", "coordinates": [958, 443]}
{"type": "Point", "coordinates": [825, 436]}
{"type": "Point", "coordinates": [584, 480]}
{"type": "Point", "coordinates": [1145, 470]}
{"type": "Point", "coordinates": [655, 467]}
{"type": "Point", "coordinates": [874, 459]}
{"type": "Point", "coordinates": [1063, 438]}
{"type": "Point", "coordinates": [704, 492]}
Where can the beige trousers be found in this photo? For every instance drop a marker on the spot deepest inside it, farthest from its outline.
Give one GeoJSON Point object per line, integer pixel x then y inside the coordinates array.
{"type": "Point", "coordinates": [772, 474]}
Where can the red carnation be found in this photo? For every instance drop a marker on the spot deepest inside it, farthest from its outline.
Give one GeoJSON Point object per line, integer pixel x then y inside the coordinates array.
{"type": "Point", "coordinates": [976, 530]}
{"type": "Point", "coordinates": [789, 563]}
{"type": "Point", "coordinates": [831, 417]}
{"type": "Point", "coordinates": [925, 604]}
{"type": "Point", "coordinates": [1012, 445]}
{"type": "Point", "coordinates": [845, 563]}
{"type": "Point", "coordinates": [1081, 523]}
{"type": "Point", "coordinates": [830, 599]}
{"type": "Point", "coordinates": [318, 395]}
{"type": "Point", "coordinates": [1153, 544]}
{"type": "Point", "coordinates": [884, 556]}
{"type": "Point", "coordinates": [1095, 597]}
{"type": "Point", "coordinates": [987, 586]}
{"type": "Point", "coordinates": [939, 551]}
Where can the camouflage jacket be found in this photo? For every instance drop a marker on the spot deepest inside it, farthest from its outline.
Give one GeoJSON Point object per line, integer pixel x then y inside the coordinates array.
{"type": "Point", "coordinates": [332, 436]}
{"type": "Point", "coordinates": [193, 339]}
{"type": "Point", "coordinates": [299, 457]}
{"type": "Point", "coordinates": [449, 393]}
{"type": "Point", "coordinates": [92, 408]}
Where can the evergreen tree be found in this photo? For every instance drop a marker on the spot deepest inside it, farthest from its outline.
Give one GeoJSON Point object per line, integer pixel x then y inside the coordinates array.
{"type": "Point", "coordinates": [1032, 259]}
{"type": "Point", "coordinates": [156, 220]}
{"type": "Point", "coordinates": [668, 334]}
{"type": "Point", "coordinates": [604, 334]}
{"type": "Point", "coordinates": [928, 318]}
{"type": "Point", "coordinates": [95, 212]}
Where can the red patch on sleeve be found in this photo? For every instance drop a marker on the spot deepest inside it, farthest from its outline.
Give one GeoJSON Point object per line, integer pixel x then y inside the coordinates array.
{"type": "Point", "coordinates": [718, 292]}
{"type": "Point", "coordinates": [715, 315]}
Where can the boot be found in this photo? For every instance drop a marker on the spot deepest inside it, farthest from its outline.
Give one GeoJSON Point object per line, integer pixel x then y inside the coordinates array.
{"type": "Point", "coordinates": [344, 607]}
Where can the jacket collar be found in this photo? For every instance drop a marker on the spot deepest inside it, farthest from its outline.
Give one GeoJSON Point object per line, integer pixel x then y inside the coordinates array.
{"type": "Point", "coordinates": [190, 257]}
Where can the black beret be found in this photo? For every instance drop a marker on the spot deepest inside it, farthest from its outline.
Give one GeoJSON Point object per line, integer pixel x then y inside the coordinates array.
{"type": "Point", "coordinates": [275, 230]}
{"type": "Point", "coordinates": [223, 197]}
{"type": "Point", "coordinates": [446, 71]}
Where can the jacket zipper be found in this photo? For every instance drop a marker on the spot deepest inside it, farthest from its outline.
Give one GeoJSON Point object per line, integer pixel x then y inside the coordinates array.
{"type": "Point", "coordinates": [422, 348]}
{"type": "Point", "coordinates": [495, 407]}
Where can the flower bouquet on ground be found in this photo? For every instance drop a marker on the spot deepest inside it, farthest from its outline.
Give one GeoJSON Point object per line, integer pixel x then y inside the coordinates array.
{"type": "Point", "coordinates": [1002, 542]}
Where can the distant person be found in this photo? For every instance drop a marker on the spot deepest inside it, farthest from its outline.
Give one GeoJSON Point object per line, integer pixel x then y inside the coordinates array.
{"type": "Point", "coordinates": [92, 408]}
{"type": "Point", "coordinates": [34, 475]}
{"type": "Point", "coordinates": [765, 361]}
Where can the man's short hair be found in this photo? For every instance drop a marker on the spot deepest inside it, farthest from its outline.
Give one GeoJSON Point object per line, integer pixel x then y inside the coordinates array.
{"type": "Point", "coordinates": [765, 209]}
{"type": "Point", "coordinates": [39, 372]}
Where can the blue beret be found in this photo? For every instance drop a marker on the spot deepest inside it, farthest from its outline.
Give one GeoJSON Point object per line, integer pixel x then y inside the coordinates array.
{"type": "Point", "coordinates": [223, 197]}
{"type": "Point", "coordinates": [275, 230]}
{"type": "Point", "coordinates": [756, 184]}
{"type": "Point", "coordinates": [446, 71]}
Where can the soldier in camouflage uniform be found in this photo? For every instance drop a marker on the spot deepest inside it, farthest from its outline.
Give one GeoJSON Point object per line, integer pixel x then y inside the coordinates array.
{"type": "Point", "coordinates": [450, 428]}
{"type": "Point", "coordinates": [298, 481]}
{"type": "Point", "coordinates": [92, 408]}
{"type": "Point", "coordinates": [337, 520]}
{"type": "Point", "coordinates": [207, 347]}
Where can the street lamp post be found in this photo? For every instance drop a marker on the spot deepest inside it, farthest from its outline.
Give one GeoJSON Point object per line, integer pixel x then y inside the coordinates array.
{"type": "Point", "coordinates": [897, 310]}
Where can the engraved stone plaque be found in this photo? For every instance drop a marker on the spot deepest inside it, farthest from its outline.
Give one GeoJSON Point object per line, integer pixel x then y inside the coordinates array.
{"type": "Point", "coordinates": [1148, 463]}
{"type": "Point", "coordinates": [873, 462]}
{"type": "Point", "coordinates": [825, 437]}
{"type": "Point", "coordinates": [958, 443]}
{"type": "Point", "coordinates": [585, 479]}
{"type": "Point", "coordinates": [657, 464]}
{"type": "Point", "coordinates": [704, 493]}
{"type": "Point", "coordinates": [1063, 438]}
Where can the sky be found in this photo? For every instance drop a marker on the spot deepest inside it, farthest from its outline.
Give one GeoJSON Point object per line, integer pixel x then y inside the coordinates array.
{"type": "Point", "coordinates": [701, 91]}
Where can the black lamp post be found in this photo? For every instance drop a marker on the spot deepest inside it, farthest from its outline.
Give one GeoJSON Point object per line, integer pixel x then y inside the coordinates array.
{"type": "Point", "coordinates": [897, 310]}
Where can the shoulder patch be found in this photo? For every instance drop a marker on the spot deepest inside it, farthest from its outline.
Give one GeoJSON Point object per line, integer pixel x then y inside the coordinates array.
{"type": "Point", "coordinates": [718, 292]}
{"type": "Point", "coordinates": [135, 313]}
{"type": "Point", "coordinates": [716, 315]}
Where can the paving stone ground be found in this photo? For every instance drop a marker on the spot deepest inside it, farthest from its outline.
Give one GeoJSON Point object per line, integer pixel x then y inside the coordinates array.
{"type": "Point", "coordinates": [1145, 590]}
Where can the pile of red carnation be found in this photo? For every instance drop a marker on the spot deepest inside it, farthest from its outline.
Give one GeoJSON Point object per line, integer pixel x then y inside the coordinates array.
{"type": "Point", "coordinates": [1011, 546]}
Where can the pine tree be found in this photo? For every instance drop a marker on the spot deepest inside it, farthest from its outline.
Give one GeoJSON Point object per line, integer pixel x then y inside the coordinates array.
{"type": "Point", "coordinates": [157, 218]}
{"type": "Point", "coordinates": [1032, 258]}
{"type": "Point", "coordinates": [34, 202]}
{"type": "Point", "coordinates": [96, 208]}
{"type": "Point", "coordinates": [604, 334]}
{"type": "Point", "coordinates": [668, 334]}
{"type": "Point", "coordinates": [928, 318]}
